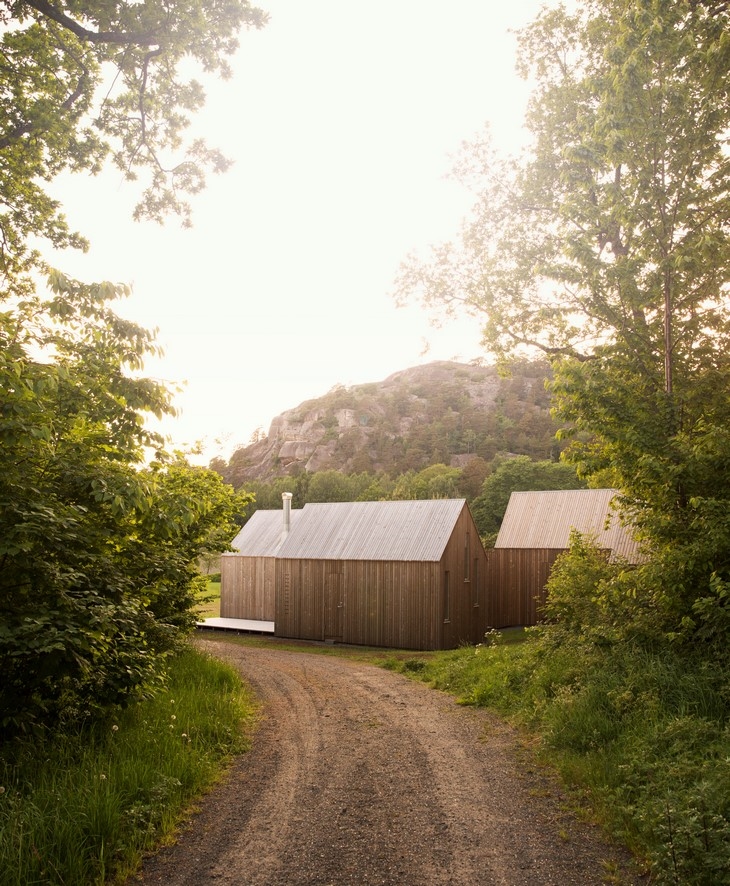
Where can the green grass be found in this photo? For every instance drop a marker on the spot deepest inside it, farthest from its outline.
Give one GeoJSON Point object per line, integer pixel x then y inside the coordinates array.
{"type": "Point", "coordinates": [643, 736]}
{"type": "Point", "coordinates": [82, 808]}
{"type": "Point", "coordinates": [210, 606]}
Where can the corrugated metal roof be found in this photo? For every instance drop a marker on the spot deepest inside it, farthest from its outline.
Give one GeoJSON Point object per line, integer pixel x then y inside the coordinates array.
{"type": "Point", "coordinates": [373, 530]}
{"type": "Point", "coordinates": [261, 536]}
{"type": "Point", "coordinates": [545, 519]}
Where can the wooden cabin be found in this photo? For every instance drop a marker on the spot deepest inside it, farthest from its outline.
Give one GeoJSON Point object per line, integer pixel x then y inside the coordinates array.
{"type": "Point", "coordinates": [404, 574]}
{"type": "Point", "coordinates": [408, 574]}
{"type": "Point", "coordinates": [535, 531]}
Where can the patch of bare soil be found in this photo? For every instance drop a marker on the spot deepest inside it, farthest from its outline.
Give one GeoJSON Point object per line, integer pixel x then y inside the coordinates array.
{"type": "Point", "coordinates": [360, 776]}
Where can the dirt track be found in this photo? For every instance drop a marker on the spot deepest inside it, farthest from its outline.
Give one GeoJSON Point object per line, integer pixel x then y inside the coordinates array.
{"type": "Point", "coordinates": [360, 776]}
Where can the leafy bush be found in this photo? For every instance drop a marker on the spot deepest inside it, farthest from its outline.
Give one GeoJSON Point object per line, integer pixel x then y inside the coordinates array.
{"type": "Point", "coordinates": [98, 548]}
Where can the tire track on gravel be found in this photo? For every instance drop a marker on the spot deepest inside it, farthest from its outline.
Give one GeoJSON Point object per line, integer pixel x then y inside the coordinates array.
{"type": "Point", "coordinates": [360, 776]}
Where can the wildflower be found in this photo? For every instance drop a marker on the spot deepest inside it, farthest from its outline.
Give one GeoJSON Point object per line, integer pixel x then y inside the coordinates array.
{"type": "Point", "coordinates": [102, 777]}
{"type": "Point", "coordinates": [184, 735]}
{"type": "Point", "coordinates": [173, 717]}
{"type": "Point", "coordinates": [115, 728]}
{"type": "Point", "coordinates": [2, 789]}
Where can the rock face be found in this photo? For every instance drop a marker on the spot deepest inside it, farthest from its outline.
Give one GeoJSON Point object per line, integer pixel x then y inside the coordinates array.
{"type": "Point", "coordinates": [440, 412]}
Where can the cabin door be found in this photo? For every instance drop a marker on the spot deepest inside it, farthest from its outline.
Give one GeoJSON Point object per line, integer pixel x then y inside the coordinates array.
{"type": "Point", "coordinates": [334, 604]}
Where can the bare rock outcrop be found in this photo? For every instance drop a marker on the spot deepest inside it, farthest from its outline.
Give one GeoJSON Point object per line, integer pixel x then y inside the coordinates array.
{"type": "Point", "coordinates": [438, 411]}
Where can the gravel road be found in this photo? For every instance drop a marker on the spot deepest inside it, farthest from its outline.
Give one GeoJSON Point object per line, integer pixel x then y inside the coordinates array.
{"type": "Point", "coordinates": [360, 776]}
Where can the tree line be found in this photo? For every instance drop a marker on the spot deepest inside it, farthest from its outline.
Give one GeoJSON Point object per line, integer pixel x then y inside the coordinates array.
{"type": "Point", "coordinates": [486, 486]}
{"type": "Point", "coordinates": [100, 527]}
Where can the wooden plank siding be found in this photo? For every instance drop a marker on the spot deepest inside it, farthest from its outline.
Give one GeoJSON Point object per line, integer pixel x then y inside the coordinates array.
{"type": "Point", "coordinates": [249, 587]}
{"type": "Point", "coordinates": [516, 579]}
{"type": "Point", "coordinates": [405, 604]}
{"type": "Point", "coordinates": [362, 602]}
{"type": "Point", "coordinates": [464, 609]}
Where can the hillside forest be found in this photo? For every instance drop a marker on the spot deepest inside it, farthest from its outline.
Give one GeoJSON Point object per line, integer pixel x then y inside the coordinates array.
{"type": "Point", "coordinates": [443, 430]}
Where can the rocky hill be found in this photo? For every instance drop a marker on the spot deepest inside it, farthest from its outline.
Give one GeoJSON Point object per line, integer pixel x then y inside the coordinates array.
{"type": "Point", "coordinates": [441, 412]}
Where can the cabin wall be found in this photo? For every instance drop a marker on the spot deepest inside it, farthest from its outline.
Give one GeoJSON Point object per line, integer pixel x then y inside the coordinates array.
{"type": "Point", "coordinates": [464, 601]}
{"type": "Point", "coordinates": [248, 587]}
{"type": "Point", "coordinates": [516, 579]}
{"type": "Point", "coordinates": [398, 604]}
{"type": "Point", "coordinates": [368, 603]}
{"type": "Point", "coordinates": [394, 604]}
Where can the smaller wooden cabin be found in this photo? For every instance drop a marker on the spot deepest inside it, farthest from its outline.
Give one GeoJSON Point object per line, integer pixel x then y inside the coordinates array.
{"type": "Point", "coordinates": [248, 575]}
{"type": "Point", "coordinates": [535, 531]}
{"type": "Point", "coordinates": [403, 574]}
{"type": "Point", "coordinates": [538, 520]}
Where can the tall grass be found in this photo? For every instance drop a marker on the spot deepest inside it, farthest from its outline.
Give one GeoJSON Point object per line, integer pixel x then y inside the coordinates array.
{"type": "Point", "coordinates": [82, 808]}
{"type": "Point", "coordinates": [646, 734]}
{"type": "Point", "coordinates": [210, 600]}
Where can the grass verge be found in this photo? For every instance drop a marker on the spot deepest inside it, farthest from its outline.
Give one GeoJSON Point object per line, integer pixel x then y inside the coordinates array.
{"type": "Point", "coordinates": [83, 808]}
{"type": "Point", "coordinates": [644, 736]}
{"type": "Point", "coordinates": [210, 601]}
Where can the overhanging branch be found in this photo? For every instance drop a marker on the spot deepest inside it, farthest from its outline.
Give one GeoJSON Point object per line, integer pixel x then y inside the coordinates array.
{"type": "Point", "coordinates": [119, 38]}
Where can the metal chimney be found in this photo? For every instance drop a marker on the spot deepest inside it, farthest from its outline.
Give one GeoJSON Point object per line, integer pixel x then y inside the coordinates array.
{"type": "Point", "coordinates": [286, 501]}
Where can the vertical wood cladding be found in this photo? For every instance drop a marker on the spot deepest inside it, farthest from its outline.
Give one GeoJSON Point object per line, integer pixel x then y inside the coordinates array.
{"type": "Point", "coordinates": [249, 584]}
{"type": "Point", "coordinates": [390, 603]}
{"type": "Point", "coordinates": [394, 603]}
{"type": "Point", "coordinates": [516, 579]}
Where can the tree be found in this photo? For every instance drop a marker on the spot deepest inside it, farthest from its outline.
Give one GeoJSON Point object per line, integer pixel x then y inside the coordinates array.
{"type": "Point", "coordinates": [111, 80]}
{"type": "Point", "coordinates": [328, 486]}
{"type": "Point", "coordinates": [98, 549]}
{"type": "Point", "coordinates": [473, 474]}
{"type": "Point", "coordinates": [100, 529]}
{"type": "Point", "coordinates": [620, 208]}
{"type": "Point", "coordinates": [435, 481]}
{"type": "Point", "coordinates": [518, 474]}
{"type": "Point", "coordinates": [607, 247]}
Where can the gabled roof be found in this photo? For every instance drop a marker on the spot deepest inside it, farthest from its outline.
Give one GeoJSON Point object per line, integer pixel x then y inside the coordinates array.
{"type": "Point", "coordinates": [373, 530]}
{"type": "Point", "coordinates": [262, 534]}
{"type": "Point", "coordinates": [545, 520]}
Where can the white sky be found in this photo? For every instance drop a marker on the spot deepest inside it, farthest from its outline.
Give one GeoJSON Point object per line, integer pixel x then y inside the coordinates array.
{"type": "Point", "coordinates": [341, 119]}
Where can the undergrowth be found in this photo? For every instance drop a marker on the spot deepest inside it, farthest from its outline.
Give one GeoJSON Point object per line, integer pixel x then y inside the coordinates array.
{"type": "Point", "coordinates": [81, 808]}
{"type": "Point", "coordinates": [646, 734]}
{"type": "Point", "coordinates": [626, 712]}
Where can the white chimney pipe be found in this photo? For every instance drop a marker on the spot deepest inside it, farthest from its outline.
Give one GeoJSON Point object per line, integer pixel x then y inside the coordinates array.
{"type": "Point", "coordinates": [286, 501]}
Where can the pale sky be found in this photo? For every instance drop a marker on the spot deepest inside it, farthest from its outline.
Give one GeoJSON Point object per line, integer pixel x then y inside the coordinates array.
{"type": "Point", "coordinates": [341, 119]}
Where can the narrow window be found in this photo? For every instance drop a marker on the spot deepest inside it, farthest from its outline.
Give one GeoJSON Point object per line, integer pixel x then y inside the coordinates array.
{"type": "Point", "coordinates": [467, 557]}
{"type": "Point", "coordinates": [447, 591]}
{"type": "Point", "coordinates": [475, 582]}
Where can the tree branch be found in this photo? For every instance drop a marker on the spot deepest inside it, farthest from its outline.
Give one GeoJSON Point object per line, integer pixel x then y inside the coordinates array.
{"type": "Point", "coordinates": [140, 38]}
{"type": "Point", "coordinates": [27, 128]}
